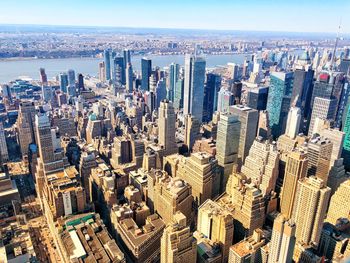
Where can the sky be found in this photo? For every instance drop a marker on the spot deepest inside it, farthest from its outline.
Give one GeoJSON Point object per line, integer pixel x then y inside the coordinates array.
{"type": "Point", "coordinates": [257, 15]}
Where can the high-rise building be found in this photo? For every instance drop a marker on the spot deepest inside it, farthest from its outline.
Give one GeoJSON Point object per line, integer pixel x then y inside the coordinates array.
{"type": "Point", "coordinates": [160, 92]}
{"type": "Point", "coordinates": [178, 94]}
{"type": "Point", "coordinates": [107, 61]}
{"type": "Point", "coordinates": [257, 98]}
{"type": "Point", "coordinates": [47, 93]}
{"type": "Point", "coordinates": [296, 168]}
{"type": "Point", "coordinates": [127, 56]}
{"type": "Point", "coordinates": [194, 86]}
{"type": "Point", "coordinates": [264, 130]}
{"type": "Point", "coordinates": [101, 71]}
{"type": "Point", "coordinates": [225, 100]}
{"type": "Point", "coordinates": [25, 127]}
{"type": "Point", "coordinates": [309, 209]}
{"type": "Point", "coordinates": [71, 77]}
{"type": "Point", "coordinates": [192, 131]}
{"type": "Point", "coordinates": [339, 206]}
{"type": "Point", "coordinates": [173, 78]}
{"type": "Point", "coordinates": [4, 155]}
{"type": "Point", "coordinates": [279, 100]}
{"type": "Point", "coordinates": [337, 138]}
{"type": "Point", "coordinates": [319, 155]}
{"type": "Point", "coordinates": [146, 71]}
{"type": "Point", "coordinates": [129, 78]}
{"type": "Point", "coordinates": [216, 223]}
{"type": "Point", "coordinates": [323, 109]}
{"type": "Point", "coordinates": [177, 243]}
{"type": "Point", "coordinates": [227, 144]}
{"type": "Point", "coordinates": [283, 240]}
{"type": "Point", "coordinates": [86, 164]}
{"type": "Point", "coordinates": [43, 77]}
{"type": "Point", "coordinates": [261, 165]}
{"type": "Point", "coordinates": [170, 195]}
{"type": "Point", "coordinates": [211, 89]}
{"type": "Point", "coordinates": [81, 85]}
{"type": "Point", "coordinates": [166, 126]}
{"type": "Point", "coordinates": [118, 71]}
{"type": "Point", "coordinates": [293, 122]}
{"type": "Point", "coordinates": [248, 119]}
{"type": "Point", "coordinates": [63, 82]}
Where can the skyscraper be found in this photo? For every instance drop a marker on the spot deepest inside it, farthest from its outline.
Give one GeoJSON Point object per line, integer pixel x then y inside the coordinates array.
{"type": "Point", "coordinates": [192, 131]}
{"type": "Point", "coordinates": [81, 85]}
{"type": "Point", "coordinates": [227, 144]}
{"type": "Point", "coordinates": [129, 78]}
{"type": "Point", "coordinates": [282, 241]}
{"type": "Point", "coordinates": [107, 61]}
{"type": "Point", "coordinates": [71, 77]}
{"type": "Point", "coordinates": [194, 86]}
{"type": "Point", "coordinates": [173, 78]}
{"type": "Point", "coordinates": [339, 206]}
{"type": "Point", "coordinates": [43, 77]}
{"type": "Point", "coordinates": [63, 82]}
{"type": "Point", "coordinates": [248, 119]}
{"type": "Point", "coordinates": [4, 155]}
{"type": "Point", "coordinates": [211, 89]}
{"type": "Point", "coordinates": [166, 124]}
{"type": "Point", "coordinates": [296, 169]}
{"type": "Point", "coordinates": [293, 122]}
{"type": "Point", "coordinates": [177, 243]}
{"type": "Point", "coordinates": [25, 125]}
{"type": "Point", "coordinates": [118, 71]}
{"type": "Point", "coordinates": [309, 210]}
{"type": "Point", "coordinates": [127, 57]}
{"type": "Point", "coordinates": [178, 94]}
{"type": "Point", "coordinates": [279, 100]}
{"type": "Point", "coordinates": [225, 100]}
{"type": "Point", "coordinates": [323, 109]}
{"type": "Point", "coordinates": [146, 71]}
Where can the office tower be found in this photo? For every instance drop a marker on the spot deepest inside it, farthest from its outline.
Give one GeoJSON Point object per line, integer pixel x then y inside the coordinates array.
{"type": "Point", "coordinates": [225, 100]}
{"type": "Point", "coordinates": [107, 64]}
{"type": "Point", "coordinates": [211, 89]}
{"type": "Point", "coordinates": [160, 92]}
{"type": "Point", "coordinates": [302, 90]}
{"type": "Point", "coordinates": [342, 105]}
{"type": "Point", "coordinates": [43, 77]}
{"type": "Point", "coordinates": [146, 70]}
{"type": "Point", "coordinates": [236, 89]}
{"type": "Point", "coordinates": [337, 175]}
{"type": "Point", "coordinates": [248, 250]}
{"type": "Point", "coordinates": [296, 169]}
{"type": "Point", "coordinates": [81, 85]}
{"type": "Point", "coordinates": [199, 170]}
{"type": "Point", "coordinates": [173, 78]}
{"type": "Point", "coordinates": [127, 57]}
{"type": "Point", "coordinates": [227, 144]}
{"type": "Point", "coordinates": [309, 209]}
{"type": "Point", "coordinates": [233, 71]}
{"type": "Point", "coordinates": [192, 131]}
{"type": "Point", "coordinates": [323, 109]}
{"type": "Point", "coordinates": [178, 94]}
{"type": "Point", "coordinates": [118, 72]}
{"type": "Point", "coordinates": [248, 119]}
{"type": "Point", "coordinates": [293, 122]}
{"type": "Point", "coordinates": [264, 130]}
{"type": "Point", "coordinates": [129, 78]}
{"type": "Point", "coordinates": [257, 98]}
{"type": "Point", "coordinates": [71, 77]}
{"type": "Point", "coordinates": [44, 138]}
{"type": "Point", "coordinates": [86, 164]}
{"type": "Point", "coordinates": [46, 93]}
{"type": "Point", "coordinates": [247, 203]}
{"type": "Point", "coordinates": [279, 100]}
{"type": "Point", "coordinates": [166, 127]}
{"type": "Point", "coordinates": [339, 206]}
{"type": "Point", "coordinates": [261, 165]}
{"type": "Point", "coordinates": [25, 125]}
{"type": "Point", "coordinates": [170, 195]}
{"type": "Point", "coordinates": [121, 151]}
{"type": "Point", "coordinates": [4, 155]}
{"type": "Point", "coordinates": [283, 240]}
{"type": "Point", "coordinates": [346, 130]}
{"type": "Point", "coordinates": [63, 82]}
{"type": "Point", "coordinates": [216, 223]}
{"type": "Point", "coordinates": [337, 138]}
{"type": "Point", "coordinates": [177, 243]}
{"type": "Point", "coordinates": [194, 86]}
{"type": "Point", "coordinates": [328, 86]}
{"type": "Point", "coordinates": [319, 154]}
{"type": "Point", "coordinates": [102, 71]}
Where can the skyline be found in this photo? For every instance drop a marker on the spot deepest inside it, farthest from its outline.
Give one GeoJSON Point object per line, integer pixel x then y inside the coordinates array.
{"type": "Point", "coordinates": [251, 15]}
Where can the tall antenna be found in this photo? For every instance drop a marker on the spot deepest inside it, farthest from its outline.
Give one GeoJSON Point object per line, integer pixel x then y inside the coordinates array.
{"type": "Point", "coordinates": [335, 46]}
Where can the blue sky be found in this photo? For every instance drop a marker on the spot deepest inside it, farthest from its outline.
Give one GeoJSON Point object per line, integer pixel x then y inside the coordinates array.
{"type": "Point", "coordinates": [272, 15]}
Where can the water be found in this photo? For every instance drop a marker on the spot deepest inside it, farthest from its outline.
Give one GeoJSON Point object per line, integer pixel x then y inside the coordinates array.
{"type": "Point", "coordinates": [12, 69]}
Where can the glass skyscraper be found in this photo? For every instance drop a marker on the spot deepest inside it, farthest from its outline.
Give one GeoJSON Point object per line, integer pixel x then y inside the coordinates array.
{"type": "Point", "coordinates": [107, 58]}
{"type": "Point", "coordinates": [211, 89]}
{"type": "Point", "coordinates": [279, 101]}
{"type": "Point", "coordinates": [146, 71]}
{"type": "Point", "coordinates": [118, 70]}
{"type": "Point", "coordinates": [178, 94]}
{"type": "Point", "coordinates": [194, 86]}
{"type": "Point", "coordinates": [173, 77]}
{"type": "Point", "coordinates": [63, 82]}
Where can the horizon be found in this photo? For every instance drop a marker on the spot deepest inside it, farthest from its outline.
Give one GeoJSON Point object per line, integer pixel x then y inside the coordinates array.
{"type": "Point", "coordinates": [312, 16]}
